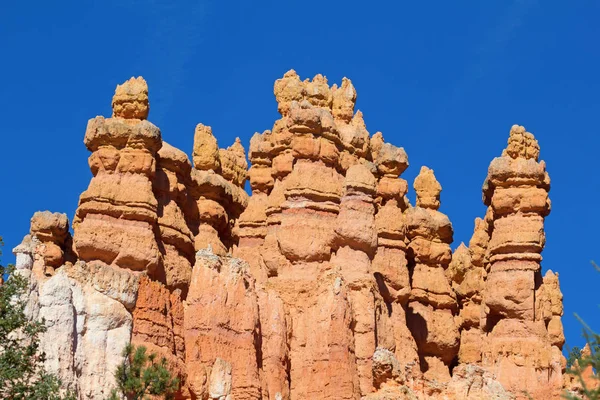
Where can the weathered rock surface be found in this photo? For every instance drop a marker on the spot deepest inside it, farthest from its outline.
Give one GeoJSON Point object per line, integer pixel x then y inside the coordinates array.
{"type": "Point", "coordinates": [86, 307]}
{"type": "Point", "coordinates": [221, 325]}
{"type": "Point", "coordinates": [433, 303]}
{"type": "Point", "coordinates": [588, 377]}
{"type": "Point", "coordinates": [324, 232]}
{"type": "Point", "coordinates": [158, 325]}
{"type": "Point", "coordinates": [524, 339]}
{"type": "Point", "coordinates": [51, 230]}
{"type": "Point", "coordinates": [170, 187]}
{"type": "Point", "coordinates": [115, 220]}
{"type": "Point", "coordinates": [325, 283]}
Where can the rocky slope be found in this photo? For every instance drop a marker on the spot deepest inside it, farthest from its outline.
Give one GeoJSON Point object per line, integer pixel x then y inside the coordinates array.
{"type": "Point", "coordinates": [325, 283]}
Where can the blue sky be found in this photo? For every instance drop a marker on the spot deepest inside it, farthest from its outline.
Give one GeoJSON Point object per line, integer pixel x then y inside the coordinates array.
{"type": "Point", "coordinates": [445, 80]}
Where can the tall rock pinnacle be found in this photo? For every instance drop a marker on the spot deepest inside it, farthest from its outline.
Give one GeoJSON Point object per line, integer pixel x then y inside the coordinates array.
{"type": "Point", "coordinates": [518, 346]}
{"type": "Point", "coordinates": [324, 283]}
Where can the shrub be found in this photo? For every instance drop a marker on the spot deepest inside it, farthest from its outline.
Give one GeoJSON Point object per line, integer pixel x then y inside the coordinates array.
{"type": "Point", "coordinates": [141, 375]}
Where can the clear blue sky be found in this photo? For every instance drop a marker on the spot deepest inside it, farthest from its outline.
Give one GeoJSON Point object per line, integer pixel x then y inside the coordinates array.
{"type": "Point", "coordinates": [445, 80]}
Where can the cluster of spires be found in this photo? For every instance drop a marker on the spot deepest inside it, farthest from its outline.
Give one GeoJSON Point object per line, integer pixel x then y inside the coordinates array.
{"type": "Point", "coordinates": [328, 236]}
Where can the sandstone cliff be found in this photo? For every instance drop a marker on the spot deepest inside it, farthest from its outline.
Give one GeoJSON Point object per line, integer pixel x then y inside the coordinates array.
{"type": "Point", "coordinates": [325, 283]}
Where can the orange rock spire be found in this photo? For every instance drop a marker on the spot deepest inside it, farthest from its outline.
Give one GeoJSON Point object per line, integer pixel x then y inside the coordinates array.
{"type": "Point", "coordinates": [524, 336]}
{"type": "Point", "coordinates": [325, 283]}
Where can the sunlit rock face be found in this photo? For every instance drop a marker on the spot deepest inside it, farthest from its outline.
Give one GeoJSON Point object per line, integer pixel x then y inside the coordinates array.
{"type": "Point", "coordinates": [524, 333]}
{"type": "Point", "coordinates": [87, 310]}
{"type": "Point", "coordinates": [433, 304]}
{"type": "Point", "coordinates": [117, 214]}
{"type": "Point", "coordinates": [324, 231]}
{"type": "Point", "coordinates": [324, 283]}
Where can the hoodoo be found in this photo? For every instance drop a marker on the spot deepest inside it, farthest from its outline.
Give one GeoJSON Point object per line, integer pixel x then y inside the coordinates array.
{"type": "Point", "coordinates": [324, 283]}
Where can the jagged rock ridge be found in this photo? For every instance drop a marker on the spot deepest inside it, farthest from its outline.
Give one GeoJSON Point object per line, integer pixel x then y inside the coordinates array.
{"type": "Point", "coordinates": [325, 283]}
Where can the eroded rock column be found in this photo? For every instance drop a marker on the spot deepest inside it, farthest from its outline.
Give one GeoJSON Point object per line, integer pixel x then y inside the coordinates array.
{"type": "Point", "coordinates": [117, 215]}
{"type": "Point", "coordinates": [176, 239]}
{"type": "Point", "coordinates": [390, 264]}
{"type": "Point", "coordinates": [432, 301]}
{"type": "Point", "coordinates": [251, 228]}
{"type": "Point", "coordinates": [356, 244]}
{"type": "Point", "coordinates": [221, 325]}
{"type": "Point", "coordinates": [518, 347]}
{"type": "Point", "coordinates": [217, 186]}
{"type": "Point", "coordinates": [310, 234]}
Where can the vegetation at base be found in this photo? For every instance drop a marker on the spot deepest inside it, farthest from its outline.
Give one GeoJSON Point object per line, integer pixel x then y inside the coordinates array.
{"type": "Point", "coordinates": [22, 374]}
{"type": "Point", "coordinates": [141, 375]}
{"type": "Point", "coordinates": [590, 390]}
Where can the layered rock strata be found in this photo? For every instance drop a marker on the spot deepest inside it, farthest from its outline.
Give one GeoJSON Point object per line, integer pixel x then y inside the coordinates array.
{"type": "Point", "coordinates": [523, 343]}
{"type": "Point", "coordinates": [217, 187]}
{"type": "Point", "coordinates": [433, 303]}
{"type": "Point", "coordinates": [325, 283]}
{"type": "Point", "coordinates": [171, 188]}
{"type": "Point", "coordinates": [117, 215]}
{"type": "Point", "coordinates": [323, 193]}
{"type": "Point", "coordinates": [53, 242]}
{"type": "Point", "coordinates": [87, 309]}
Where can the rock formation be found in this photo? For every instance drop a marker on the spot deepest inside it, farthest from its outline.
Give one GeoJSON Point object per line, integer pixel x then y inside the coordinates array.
{"type": "Point", "coordinates": [217, 187]}
{"type": "Point", "coordinates": [221, 325]}
{"type": "Point", "coordinates": [588, 378]}
{"type": "Point", "coordinates": [325, 283]}
{"type": "Point", "coordinates": [51, 231]}
{"type": "Point", "coordinates": [117, 215]}
{"type": "Point", "coordinates": [432, 301]}
{"type": "Point", "coordinates": [86, 306]}
{"type": "Point", "coordinates": [523, 341]}
{"type": "Point", "coordinates": [170, 187]}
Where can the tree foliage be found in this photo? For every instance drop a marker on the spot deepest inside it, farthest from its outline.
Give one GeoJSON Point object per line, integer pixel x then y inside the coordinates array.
{"type": "Point", "coordinates": [141, 374]}
{"type": "Point", "coordinates": [590, 389]}
{"type": "Point", "coordinates": [574, 355]}
{"type": "Point", "coordinates": [22, 374]}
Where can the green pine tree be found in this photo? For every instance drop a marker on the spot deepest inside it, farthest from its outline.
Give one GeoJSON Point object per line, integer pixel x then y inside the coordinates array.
{"type": "Point", "coordinates": [593, 360]}
{"type": "Point", "coordinates": [141, 375]}
{"type": "Point", "coordinates": [574, 355]}
{"type": "Point", "coordinates": [22, 374]}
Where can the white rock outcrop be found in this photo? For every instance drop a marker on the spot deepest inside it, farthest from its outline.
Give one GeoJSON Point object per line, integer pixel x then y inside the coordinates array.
{"type": "Point", "coordinates": [85, 308]}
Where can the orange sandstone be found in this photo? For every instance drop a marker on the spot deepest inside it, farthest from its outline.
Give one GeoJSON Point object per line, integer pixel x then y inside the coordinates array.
{"type": "Point", "coordinates": [324, 283]}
